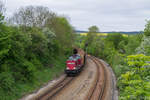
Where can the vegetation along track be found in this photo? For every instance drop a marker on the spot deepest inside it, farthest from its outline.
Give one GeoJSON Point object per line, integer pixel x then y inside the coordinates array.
{"type": "Point", "coordinates": [98, 90]}
{"type": "Point", "coordinates": [56, 89]}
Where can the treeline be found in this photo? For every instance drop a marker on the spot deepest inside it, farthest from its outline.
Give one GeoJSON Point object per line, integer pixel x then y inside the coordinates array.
{"type": "Point", "coordinates": [32, 42]}
{"type": "Point", "coordinates": [129, 56]}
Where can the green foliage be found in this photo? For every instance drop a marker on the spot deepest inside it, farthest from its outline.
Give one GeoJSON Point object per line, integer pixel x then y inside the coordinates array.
{"type": "Point", "coordinates": [37, 63]}
{"type": "Point", "coordinates": [138, 60]}
{"type": "Point", "coordinates": [19, 89]}
{"type": "Point", "coordinates": [132, 70]}
{"type": "Point", "coordinates": [4, 41]}
{"type": "Point", "coordinates": [91, 35]}
{"type": "Point", "coordinates": [133, 80]}
{"type": "Point", "coordinates": [93, 29]}
{"type": "Point", "coordinates": [133, 43]}
{"type": "Point", "coordinates": [63, 31]}
{"type": "Point", "coordinates": [28, 51]}
{"type": "Point", "coordinates": [147, 29]}
{"type": "Point", "coordinates": [115, 38]}
{"type": "Point", "coordinates": [39, 43]}
{"type": "Point", "coordinates": [6, 81]}
{"type": "Point", "coordinates": [144, 47]}
{"type": "Point", "coordinates": [25, 71]}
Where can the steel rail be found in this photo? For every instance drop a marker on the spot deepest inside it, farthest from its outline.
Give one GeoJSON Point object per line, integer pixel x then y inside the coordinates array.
{"type": "Point", "coordinates": [103, 86]}
{"type": "Point", "coordinates": [56, 89]}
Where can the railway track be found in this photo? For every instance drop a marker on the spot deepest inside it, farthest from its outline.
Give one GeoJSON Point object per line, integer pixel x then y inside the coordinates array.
{"type": "Point", "coordinates": [99, 89]}
{"type": "Point", "coordinates": [56, 89]}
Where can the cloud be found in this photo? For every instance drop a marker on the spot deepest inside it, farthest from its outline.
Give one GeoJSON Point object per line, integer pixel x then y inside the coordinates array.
{"type": "Point", "coordinates": [108, 15]}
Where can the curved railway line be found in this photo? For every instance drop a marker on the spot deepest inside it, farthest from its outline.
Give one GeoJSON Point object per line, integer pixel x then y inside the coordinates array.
{"type": "Point", "coordinates": [97, 91]}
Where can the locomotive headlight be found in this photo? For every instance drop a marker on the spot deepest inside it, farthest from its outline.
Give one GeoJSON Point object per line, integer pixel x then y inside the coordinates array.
{"type": "Point", "coordinates": [67, 68]}
{"type": "Point", "coordinates": [74, 67]}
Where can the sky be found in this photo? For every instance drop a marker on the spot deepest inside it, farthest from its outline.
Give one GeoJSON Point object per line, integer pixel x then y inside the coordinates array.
{"type": "Point", "coordinates": [108, 15]}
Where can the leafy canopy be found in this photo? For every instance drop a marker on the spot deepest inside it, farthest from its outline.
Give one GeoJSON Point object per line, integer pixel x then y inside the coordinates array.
{"type": "Point", "coordinates": [147, 28]}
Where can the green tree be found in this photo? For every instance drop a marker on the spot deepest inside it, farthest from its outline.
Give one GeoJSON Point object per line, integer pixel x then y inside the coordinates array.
{"type": "Point", "coordinates": [93, 29]}
{"type": "Point", "coordinates": [92, 32]}
{"type": "Point", "coordinates": [4, 39]}
{"type": "Point", "coordinates": [147, 28]}
{"type": "Point", "coordinates": [115, 38]}
{"type": "Point", "coordinates": [63, 31]}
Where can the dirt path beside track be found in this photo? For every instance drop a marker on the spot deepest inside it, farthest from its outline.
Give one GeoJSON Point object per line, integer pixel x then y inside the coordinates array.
{"type": "Point", "coordinates": [78, 88]}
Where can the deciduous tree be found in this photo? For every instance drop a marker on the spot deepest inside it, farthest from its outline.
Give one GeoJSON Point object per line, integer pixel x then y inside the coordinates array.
{"type": "Point", "coordinates": [147, 28]}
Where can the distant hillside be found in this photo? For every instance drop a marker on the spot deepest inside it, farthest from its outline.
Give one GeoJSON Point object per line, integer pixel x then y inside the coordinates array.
{"type": "Point", "coordinates": [132, 32]}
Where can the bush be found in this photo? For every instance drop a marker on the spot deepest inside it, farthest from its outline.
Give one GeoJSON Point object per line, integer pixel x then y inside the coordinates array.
{"type": "Point", "coordinates": [6, 81]}
{"type": "Point", "coordinates": [27, 71]}
{"type": "Point", "coordinates": [37, 63]}
{"type": "Point", "coordinates": [136, 78]}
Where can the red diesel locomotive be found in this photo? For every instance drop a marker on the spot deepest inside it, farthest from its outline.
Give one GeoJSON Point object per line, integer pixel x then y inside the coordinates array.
{"type": "Point", "coordinates": [75, 63]}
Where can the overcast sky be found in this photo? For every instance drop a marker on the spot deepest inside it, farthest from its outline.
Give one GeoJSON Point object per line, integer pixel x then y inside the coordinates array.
{"type": "Point", "coordinates": [108, 15]}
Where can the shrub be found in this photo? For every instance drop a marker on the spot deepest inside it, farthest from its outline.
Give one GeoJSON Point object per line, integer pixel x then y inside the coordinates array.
{"type": "Point", "coordinates": [137, 78]}
{"type": "Point", "coordinates": [6, 81]}
{"type": "Point", "coordinates": [28, 70]}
